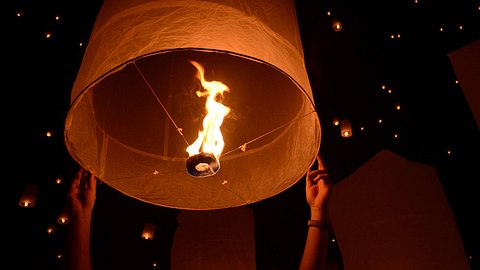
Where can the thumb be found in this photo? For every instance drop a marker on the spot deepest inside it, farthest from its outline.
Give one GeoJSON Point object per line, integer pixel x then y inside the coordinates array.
{"type": "Point", "coordinates": [321, 164]}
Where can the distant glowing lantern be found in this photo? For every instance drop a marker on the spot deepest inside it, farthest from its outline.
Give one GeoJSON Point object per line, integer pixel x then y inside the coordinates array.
{"type": "Point", "coordinates": [64, 217]}
{"type": "Point", "coordinates": [50, 229]}
{"type": "Point", "coordinates": [336, 122]}
{"type": "Point", "coordinates": [29, 196]}
{"type": "Point", "coordinates": [148, 231]}
{"type": "Point", "coordinates": [337, 25]}
{"type": "Point", "coordinates": [194, 104]}
{"type": "Point", "coordinates": [346, 128]}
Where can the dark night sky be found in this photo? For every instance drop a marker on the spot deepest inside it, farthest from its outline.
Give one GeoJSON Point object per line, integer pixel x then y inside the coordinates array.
{"type": "Point", "coordinates": [346, 70]}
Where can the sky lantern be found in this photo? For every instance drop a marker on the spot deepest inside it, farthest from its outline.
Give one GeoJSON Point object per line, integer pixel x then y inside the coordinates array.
{"type": "Point", "coordinates": [194, 104]}
{"type": "Point", "coordinates": [148, 231]}
{"type": "Point", "coordinates": [64, 217]}
{"type": "Point", "coordinates": [346, 128]}
{"type": "Point", "coordinates": [29, 196]}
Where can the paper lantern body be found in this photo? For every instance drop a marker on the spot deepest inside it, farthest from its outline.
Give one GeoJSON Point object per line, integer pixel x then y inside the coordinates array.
{"type": "Point", "coordinates": [134, 108]}
{"type": "Point", "coordinates": [29, 196]}
{"type": "Point", "coordinates": [64, 217]}
{"type": "Point", "coordinates": [148, 231]}
{"type": "Point", "coordinates": [346, 128]}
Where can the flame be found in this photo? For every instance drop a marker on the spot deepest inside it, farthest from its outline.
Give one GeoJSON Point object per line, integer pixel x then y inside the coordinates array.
{"type": "Point", "coordinates": [210, 139]}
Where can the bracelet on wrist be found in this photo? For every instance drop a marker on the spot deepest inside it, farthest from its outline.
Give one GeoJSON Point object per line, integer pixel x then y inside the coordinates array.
{"type": "Point", "coordinates": [319, 224]}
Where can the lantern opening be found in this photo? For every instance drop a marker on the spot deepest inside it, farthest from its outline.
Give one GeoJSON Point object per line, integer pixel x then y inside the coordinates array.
{"type": "Point", "coordinates": [202, 165]}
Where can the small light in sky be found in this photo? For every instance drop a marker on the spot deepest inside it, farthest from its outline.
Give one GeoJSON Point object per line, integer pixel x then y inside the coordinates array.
{"type": "Point", "coordinates": [148, 231]}
{"type": "Point", "coordinates": [63, 218]}
{"type": "Point", "coordinates": [395, 135]}
{"type": "Point", "coordinates": [346, 128]}
{"type": "Point", "coordinates": [80, 44]}
{"type": "Point", "coordinates": [57, 18]}
{"type": "Point", "coordinates": [49, 133]}
{"type": "Point", "coordinates": [48, 35]}
{"type": "Point", "coordinates": [336, 122]}
{"type": "Point", "coordinates": [456, 81]}
{"type": "Point", "coordinates": [393, 36]}
{"type": "Point", "coordinates": [397, 106]}
{"type": "Point", "coordinates": [337, 26]}
{"type": "Point", "coordinates": [383, 86]}
{"type": "Point", "coordinates": [441, 29]}
{"type": "Point", "coordinates": [58, 180]}
{"type": "Point", "coordinates": [329, 13]}
{"type": "Point", "coordinates": [449, 152]}
{"type": "Point", "coordinates": [380, 121]}
{"type": "Point", "coordinates": [362, 128]}
{"type": "Point", "coordinates": [59, 255]}
{"type": "Point", "coordinates": [390, 91]}
{"type": "Point", "coordinates": [460, 27]}
{"type": "Point", "coordinates": [50, 229]}
{"type": "Point", "coordinates": [19, 14]}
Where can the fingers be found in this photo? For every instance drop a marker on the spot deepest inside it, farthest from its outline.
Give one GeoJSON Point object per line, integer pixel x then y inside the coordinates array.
{"type": "Point", "coordinates": [316, 175]}
{"type": "Point", "coordinates": [76, 181]}
{"type": "Point", "coordinates": [83, 180]}
{"type": "Point", "coordinates": [309, 178]}
{"type": "Point", "coordinates": [323, 180]}
{"type": "Point", "coordinates": [78, 177]}
{"type": "Point", "coordinates": [317, 178]}
{"type": "Point", "coordinates": [92, 183]}
{"type": "Point", "coordinates": [321, 164]}
{"type": "Point", "coordinates": [87, 180]}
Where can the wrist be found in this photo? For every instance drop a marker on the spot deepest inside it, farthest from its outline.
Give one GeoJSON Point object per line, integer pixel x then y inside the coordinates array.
{"type": "Point", "coordinates": [319, 214]}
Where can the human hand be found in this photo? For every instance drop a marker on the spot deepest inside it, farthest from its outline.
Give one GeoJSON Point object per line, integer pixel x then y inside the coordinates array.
{"type": "Point", "coordinates": [82, 195]}
{"type": "Point", "coordinates": [318, 189]}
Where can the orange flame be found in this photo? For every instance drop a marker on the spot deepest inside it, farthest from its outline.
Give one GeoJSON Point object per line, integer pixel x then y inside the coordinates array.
{"type": "Point", "coordinates": [210, 140]}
